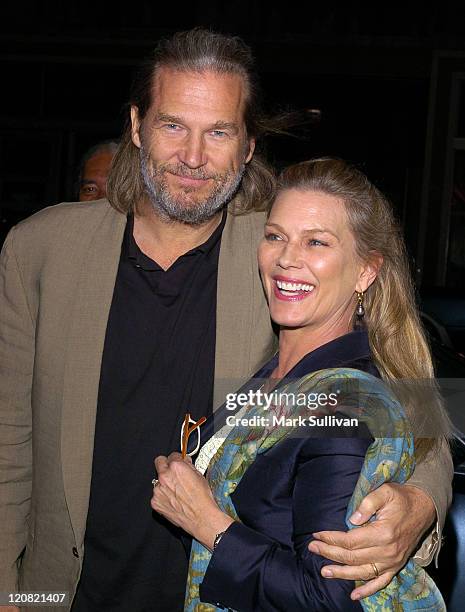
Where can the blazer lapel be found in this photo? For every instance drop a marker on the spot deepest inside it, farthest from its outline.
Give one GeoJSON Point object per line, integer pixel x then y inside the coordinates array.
{"type": "Point", "coordinates": [235, 301]}
{"type": "Point", "coordinates": [94, 292]}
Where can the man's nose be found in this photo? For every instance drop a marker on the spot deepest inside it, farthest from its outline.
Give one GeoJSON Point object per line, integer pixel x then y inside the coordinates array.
{"type": "Point", "coordinates": [193, 153]}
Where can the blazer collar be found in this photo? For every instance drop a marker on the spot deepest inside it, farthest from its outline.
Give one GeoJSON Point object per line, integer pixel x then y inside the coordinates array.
{"type": "Point", "coordinates": [237, 268]}
{"type": "Point", "coordinates": [340, 352]}
{"type": "Point", "coordinates": [337, 353]}
{"type": "Point", "coordinates": [95, 284]}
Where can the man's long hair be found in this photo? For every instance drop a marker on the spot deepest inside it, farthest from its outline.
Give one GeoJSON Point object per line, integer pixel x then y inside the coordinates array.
{"type": "Point", "coordinates": [196, 50]}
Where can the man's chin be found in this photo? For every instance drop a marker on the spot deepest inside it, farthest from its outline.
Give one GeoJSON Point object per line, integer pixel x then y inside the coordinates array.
{"type": "Point", "coordinates": [191, 197]}
{"type": "Point", "coordinates": [188, 184]}
{"type": "Point", "coordinates": [192, 193]}
{"type": "Point", "coordinates": [190, 212]}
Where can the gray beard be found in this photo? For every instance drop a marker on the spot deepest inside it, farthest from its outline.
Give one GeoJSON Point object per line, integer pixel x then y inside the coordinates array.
{"type": "Point", "coordinates": [179, 208]}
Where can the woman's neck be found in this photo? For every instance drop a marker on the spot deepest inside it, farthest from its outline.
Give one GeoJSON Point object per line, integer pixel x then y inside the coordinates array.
{"type": "Point", "coordinates": [294, 344]}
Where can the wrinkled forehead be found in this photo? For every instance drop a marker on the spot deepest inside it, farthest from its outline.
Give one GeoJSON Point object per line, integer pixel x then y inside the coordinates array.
{"type": "Point", "coordinates": [226, 92]}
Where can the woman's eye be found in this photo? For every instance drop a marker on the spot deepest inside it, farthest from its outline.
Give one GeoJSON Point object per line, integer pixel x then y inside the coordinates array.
{"type": "Point", "coordinates": [315, 242]}
{"type": "Point", "coordinates": [172, 126]}
{"type": "Point", "coordinates": [272, 237]}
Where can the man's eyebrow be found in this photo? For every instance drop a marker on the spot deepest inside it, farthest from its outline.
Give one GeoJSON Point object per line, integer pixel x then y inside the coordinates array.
{"type": "Point", "coordinates": [225, 125]}
{"type": "Point", "coordinates": [168, 118]}
{"type": "Point", "coordinates": [87, 182]}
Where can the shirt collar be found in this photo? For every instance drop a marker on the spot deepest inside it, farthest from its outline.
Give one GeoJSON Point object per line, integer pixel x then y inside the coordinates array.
{"type": "Point", "coordinates": [131, 249]}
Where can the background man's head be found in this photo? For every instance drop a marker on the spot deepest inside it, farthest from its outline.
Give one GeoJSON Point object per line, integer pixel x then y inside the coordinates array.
{"type": "Point", "coordinates": [195, 117]}
{"type": "Point", "coordinates": [94, 170]}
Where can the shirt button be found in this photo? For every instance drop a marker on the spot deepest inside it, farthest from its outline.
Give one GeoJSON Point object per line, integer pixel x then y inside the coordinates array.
{"type": "Point", "coordinates": [75, 552]}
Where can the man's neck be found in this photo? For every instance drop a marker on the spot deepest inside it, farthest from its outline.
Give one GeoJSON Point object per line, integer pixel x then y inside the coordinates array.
{"type": "Point", "coordinates": [166, 241]}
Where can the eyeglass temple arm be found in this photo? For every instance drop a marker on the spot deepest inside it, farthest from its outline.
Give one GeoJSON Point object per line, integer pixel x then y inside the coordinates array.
{"type": "Point", "coordinates": [188, 430]}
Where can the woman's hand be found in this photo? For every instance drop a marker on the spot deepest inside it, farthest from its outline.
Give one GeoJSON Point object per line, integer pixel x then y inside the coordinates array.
{"type": "Point", "coordinates": [183, 497]}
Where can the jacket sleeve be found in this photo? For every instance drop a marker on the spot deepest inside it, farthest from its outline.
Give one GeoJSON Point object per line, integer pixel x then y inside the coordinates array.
{"type": "Point", "coordinates": [251, 571]}
{"type": "Point", "coordinates": [434, 477]}
{"type": "Point", "coordinates": [16, 364]}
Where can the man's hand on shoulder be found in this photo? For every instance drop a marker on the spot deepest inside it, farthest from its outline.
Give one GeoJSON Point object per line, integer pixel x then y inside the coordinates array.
{"type": "Point", "coordinates": [376, 551]}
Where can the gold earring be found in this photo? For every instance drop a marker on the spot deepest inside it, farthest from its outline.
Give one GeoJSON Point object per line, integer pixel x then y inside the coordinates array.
{"type": "Point", "coordinates": [360, 310]}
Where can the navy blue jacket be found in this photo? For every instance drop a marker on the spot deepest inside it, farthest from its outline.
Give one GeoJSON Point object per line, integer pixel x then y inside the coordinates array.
{"type": "Point", "coordinates": [298, 487]}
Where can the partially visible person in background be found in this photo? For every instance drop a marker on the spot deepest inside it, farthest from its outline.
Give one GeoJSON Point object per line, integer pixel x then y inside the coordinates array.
{"type": "Point", "coordinates": [94, 169]}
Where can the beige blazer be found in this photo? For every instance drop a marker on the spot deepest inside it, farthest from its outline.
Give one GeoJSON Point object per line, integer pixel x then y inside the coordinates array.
{"type": "Point", "coordinates": [57, 275]}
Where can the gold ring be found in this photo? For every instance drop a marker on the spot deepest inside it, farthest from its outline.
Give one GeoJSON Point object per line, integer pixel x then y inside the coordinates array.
{"type": "Point", "coordinates": [375, 569]}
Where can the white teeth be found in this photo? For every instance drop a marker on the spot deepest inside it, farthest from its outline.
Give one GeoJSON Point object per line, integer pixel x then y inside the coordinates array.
{"type": "Point", "coordinates": [294, 286]}
{"type": "Point", "coordinates": [284, 292]}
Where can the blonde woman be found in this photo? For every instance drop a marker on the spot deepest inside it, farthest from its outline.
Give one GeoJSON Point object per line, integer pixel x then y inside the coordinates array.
{"type": "Point", "coordinates": [335, 274]}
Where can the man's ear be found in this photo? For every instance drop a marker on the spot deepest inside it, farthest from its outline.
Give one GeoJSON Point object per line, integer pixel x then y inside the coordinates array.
{"type": "Point", "coordinates": [250, 150]}
{"type": "Point", "coordinates": [135, 126]}
{"type": "Point", "coordinates": [369, 272]}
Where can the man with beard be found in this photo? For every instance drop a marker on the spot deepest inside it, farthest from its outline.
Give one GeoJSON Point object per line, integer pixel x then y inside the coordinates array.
{"type": "Point", "coordinates": [119, 317]}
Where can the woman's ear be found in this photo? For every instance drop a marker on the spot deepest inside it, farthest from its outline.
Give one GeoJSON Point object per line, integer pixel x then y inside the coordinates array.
{"type": "Point", "coordinates": [369, 272]}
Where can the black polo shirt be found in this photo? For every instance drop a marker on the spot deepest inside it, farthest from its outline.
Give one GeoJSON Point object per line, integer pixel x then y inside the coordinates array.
{"type": "Point", "coordinates": [158, 363]}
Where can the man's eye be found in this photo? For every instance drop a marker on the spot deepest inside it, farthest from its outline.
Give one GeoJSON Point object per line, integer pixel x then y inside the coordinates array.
{"type": "Point", "coordinates": [272, 237]}
{"type": "Point", "coordinates": [218, 133]}
{"type": "Point", "coordinates": [172, 127]}
{"type": "Point", "coordinates": [315, 242]}
{"type": "Point", "coordinates": [88, 188]}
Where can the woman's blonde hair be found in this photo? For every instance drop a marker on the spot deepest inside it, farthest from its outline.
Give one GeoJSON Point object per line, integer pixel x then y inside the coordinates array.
{"type": "Point", "coordinates": [397, 339]}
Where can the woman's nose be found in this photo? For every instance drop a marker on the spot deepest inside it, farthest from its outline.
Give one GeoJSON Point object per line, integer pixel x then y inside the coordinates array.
{"type": "Point", "coordinates": [290, 256]}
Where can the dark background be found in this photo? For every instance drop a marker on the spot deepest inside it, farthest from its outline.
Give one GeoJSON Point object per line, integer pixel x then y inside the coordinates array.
{"type": "Point", "coordinates": [387, 78]}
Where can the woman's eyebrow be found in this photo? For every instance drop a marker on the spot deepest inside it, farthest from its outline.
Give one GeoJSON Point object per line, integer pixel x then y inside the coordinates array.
{"type": "Point", "coordinates": [306, 230]}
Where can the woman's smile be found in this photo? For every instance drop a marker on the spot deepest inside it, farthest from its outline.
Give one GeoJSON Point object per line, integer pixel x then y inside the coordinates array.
{"type": "Point", "coordinates": [292, 290]}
